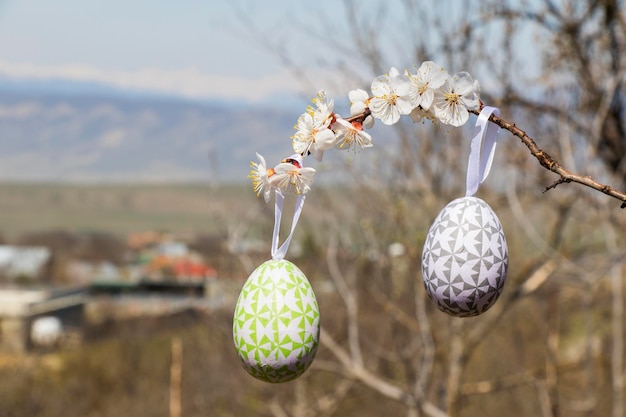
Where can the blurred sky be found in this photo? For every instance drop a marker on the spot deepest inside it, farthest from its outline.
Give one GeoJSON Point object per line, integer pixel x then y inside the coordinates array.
{"type": "Point", "coordinates": [196, 48]}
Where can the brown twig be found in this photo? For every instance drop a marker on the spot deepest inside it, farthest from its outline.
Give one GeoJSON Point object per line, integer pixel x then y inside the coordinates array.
{"type": "Point", "coordinates": [543, 157]}
{"type": "Point", "coordinates": [546, 161]}
{"type": "Point", "coordinates": [551, 164]}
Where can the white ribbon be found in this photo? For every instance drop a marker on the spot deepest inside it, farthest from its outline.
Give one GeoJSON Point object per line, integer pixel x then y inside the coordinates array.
{"type": "Point", "coordinates": [279, 253]}
{"type": "Point", "coordinates": [480, 161]}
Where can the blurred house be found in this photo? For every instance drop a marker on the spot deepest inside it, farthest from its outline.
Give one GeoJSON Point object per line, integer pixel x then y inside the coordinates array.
{"type": "Point", "coordinates": [25, 263]}
{"type": "Point", "coordinates": [40, 318]}
{"type": "Point", "coordinates": [190, 268]}
{"type": "Point", "coordinates": [172, 249]}
{"type": "Point", "coordinates": [172, 260]}
{"type": "Point", "coordinates": [84, 272]}
{"type": "Point", "coordinates": [141, 240]}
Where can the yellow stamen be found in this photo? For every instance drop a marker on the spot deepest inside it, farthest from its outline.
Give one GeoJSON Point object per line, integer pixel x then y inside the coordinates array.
{"type": "Point", "coordinates": [452, 98]}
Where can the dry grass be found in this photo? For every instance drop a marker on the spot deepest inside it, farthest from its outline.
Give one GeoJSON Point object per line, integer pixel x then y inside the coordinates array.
{"type": "Point", "coordinates": [120, 209]}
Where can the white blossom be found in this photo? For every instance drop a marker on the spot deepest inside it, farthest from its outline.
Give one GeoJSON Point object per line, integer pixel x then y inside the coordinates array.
{"type": "Point", "coordinates": [351, 135]}
{"type": "Point", "coordinates": [323, 113]}
{"type": "Point", "coordinates": [454, 98]}
{"type": "Point", "coordinates": [359, 102]}
{"type": "Point", "coordinates": [428, 77]}
{"type": "Point", "coordinates": [290, 178]}
{"type": "Point", "coordinates": [259, 174]}
{"type": "Point", "coordinates": [311, 137]}
{"type": "Point", "coordinates": [390, 97]}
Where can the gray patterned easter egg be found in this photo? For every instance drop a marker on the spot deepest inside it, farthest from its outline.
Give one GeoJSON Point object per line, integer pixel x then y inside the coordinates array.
{"type": "Point", "coordinates": [465, 258]}
{"type": "Point", "coordinates": [276, 322]}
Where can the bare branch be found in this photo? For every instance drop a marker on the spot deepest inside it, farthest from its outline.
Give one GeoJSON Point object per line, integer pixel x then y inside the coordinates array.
{"type": "Point", "coordinates": [376, 383]}
{"type": "Point", "coordinates": [545, 159]}
{"type": "Point", "coordinates": [544, 398]}
{"type": "Point", "coordinates": [276, 409]}
{"type": "Point", "coordinates": [349, 300]}
{"type": "Point", "coordinates": [456, 364]}
{"type": "Point", "coordinates": [537, 279]}
{"type": "Point", "coordinates": [553, 340]}
{"type": "Point", "coordinates": [489, 386]}
{"type": "Point", "coordinates": [328, 404]}
{"type": "Point", "coordinates": [611, 88]}
{"type": "Point", "coordinates": [551, 164]}
{"type": "Point", "coordinates": [428, 355]}
{"type": "Point", "coordinates": [617, 328]}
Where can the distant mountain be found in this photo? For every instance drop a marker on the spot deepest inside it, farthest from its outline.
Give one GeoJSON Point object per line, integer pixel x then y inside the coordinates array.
{"type": "Point", "coordinates": [65, 132]}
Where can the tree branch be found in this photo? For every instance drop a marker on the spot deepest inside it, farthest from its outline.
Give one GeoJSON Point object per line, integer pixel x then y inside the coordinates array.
{"type": "Point", "coordinates": [551, 164]}
{"type": "Point", "coordinates": [545, 159]}
{"type": "Point", "coordinates": [388, 389]}
{"type": "Point", "coordinates": [349, 300]}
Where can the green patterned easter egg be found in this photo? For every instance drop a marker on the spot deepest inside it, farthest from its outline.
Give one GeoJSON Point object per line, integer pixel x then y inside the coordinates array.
{"type": "Point", "coordinates": [276, 322]}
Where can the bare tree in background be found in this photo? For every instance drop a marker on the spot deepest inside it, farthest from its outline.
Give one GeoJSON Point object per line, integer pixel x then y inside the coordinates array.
{"type": "Point", "coordinates": [557, 69]}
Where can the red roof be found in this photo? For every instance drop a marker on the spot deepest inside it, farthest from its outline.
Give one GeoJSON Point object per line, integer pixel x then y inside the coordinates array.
{"type": "Point", "coordinates": [187, 268]}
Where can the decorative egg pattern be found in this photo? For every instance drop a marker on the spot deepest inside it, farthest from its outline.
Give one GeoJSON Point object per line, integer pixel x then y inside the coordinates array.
{"type": "Point", "coordinates": [276, 322]}
{"type": "Point", "coordinates": [465, 258]}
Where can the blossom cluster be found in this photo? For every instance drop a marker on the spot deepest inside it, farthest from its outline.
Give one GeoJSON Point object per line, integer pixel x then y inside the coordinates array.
{"type": "Point", "coordinates": [428, 93]}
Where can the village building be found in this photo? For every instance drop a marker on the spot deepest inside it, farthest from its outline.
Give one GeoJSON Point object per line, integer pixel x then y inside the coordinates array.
{"type": "Point", "coordinates": [40, 317]}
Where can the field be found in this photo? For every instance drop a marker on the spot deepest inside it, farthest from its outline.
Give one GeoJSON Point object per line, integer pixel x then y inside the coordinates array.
{"type": "Point", "coordinates": [118, 209]}
{"type": "Point", "coordinates": [554, 326]}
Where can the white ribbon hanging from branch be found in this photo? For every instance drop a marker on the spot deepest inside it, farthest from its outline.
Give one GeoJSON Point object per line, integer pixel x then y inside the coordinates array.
{"type": "Point", "coordinates": [482, 149]}
{"type": "Point", "coordinates": [278, 253]}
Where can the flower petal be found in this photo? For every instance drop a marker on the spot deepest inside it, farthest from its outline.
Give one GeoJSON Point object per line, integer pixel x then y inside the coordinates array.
{"type": "Point", "coordinates": [358, 95]}
{"type": "Point", "coordinates": [357, 107]}
{"type": "Point", "coordinates": [380, 86]}
{"type": "Point", "coordinates": [325, 139]}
